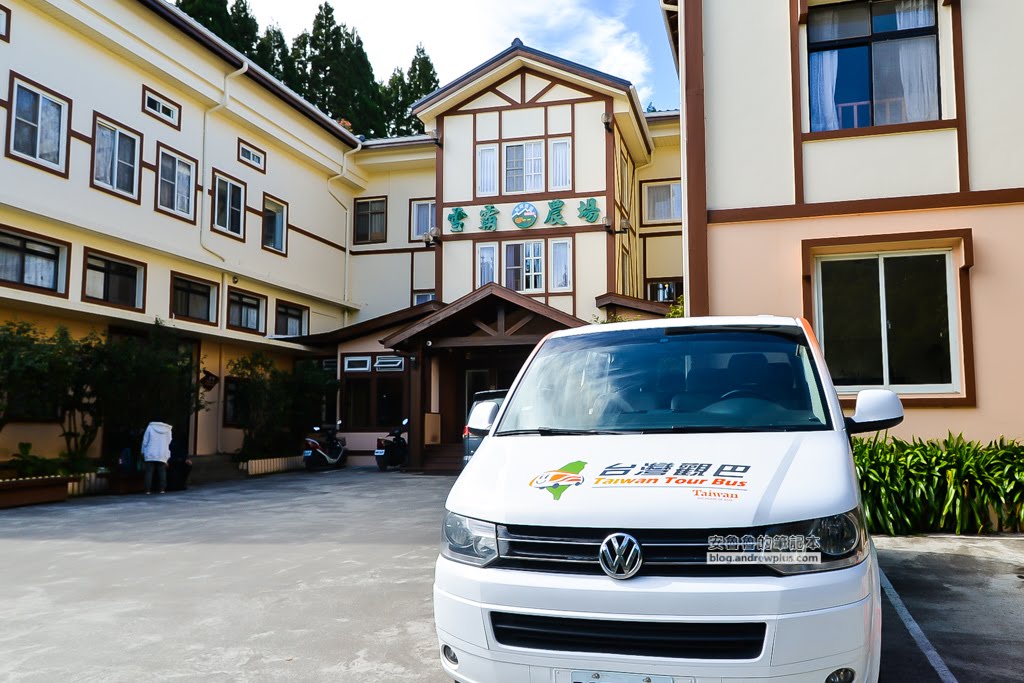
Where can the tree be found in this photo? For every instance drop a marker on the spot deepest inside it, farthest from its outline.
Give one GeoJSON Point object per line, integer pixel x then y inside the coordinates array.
{"type": "Point", "coordinates": [422, 79]}
{"type": "Point", "coordinates": [403, 89]}
{"type": "Point", "coordinates": [245, 30]}
{"type": "Point", "coordinates": [213, 14]}
{"type": "Point", "coordinates": [24, 359]}
{"type": "Point", "coordinates": [274, 56]}
{"type": "Point", "coordinates": [677, 309]}
{"type": "Point", "coordinates": [358, 93]}
{"type": "Point", "coordinates": [326, 62]}
{"type": "Point", "coordinates": [297, 76]}
{"type": "Point", "coordinates": [393, 100]}
{"type": "Point", "coordinates": [78, 372]}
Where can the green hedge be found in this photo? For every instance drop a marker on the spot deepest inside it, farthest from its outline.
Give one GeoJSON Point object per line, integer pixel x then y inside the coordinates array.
{"type": "Point", "coordinates": [954, 485]}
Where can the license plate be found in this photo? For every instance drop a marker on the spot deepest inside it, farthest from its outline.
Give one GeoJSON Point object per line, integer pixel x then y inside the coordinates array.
{"type": "Point", "coordinates": [609, 677]}
{"type": "Point", "coordinates": [306, 454]}
{"type": "Point", "coordinates": [379, 451]}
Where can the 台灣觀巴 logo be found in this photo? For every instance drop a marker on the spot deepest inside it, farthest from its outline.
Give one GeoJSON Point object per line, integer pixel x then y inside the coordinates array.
{"type": "Point", "coordinates": [557, 482]}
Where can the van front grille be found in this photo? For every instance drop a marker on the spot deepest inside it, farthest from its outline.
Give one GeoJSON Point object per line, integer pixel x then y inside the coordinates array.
{"type": "Point", "coordinates": [638, 638]}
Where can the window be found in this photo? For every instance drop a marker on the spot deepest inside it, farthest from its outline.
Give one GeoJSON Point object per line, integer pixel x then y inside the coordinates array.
{"type": "Point", "coordinates": [371, 221]}
{"type": "Point", "coordinates": [27, 262]}
{"type": "Point", "coordinates": [560, 171]}
{"type": "Point", "coordinates": [229, 206]}
{"type": "Point", "coordinates": [275, 222]}
{"type": "Point", "coordinates": [39, 127]}
{"type": "Point", "coordinates": [246, 311]}
{"type": "Point", "coordinates": [422, 297]}
{"type": "Point", "coordinates": [486, 264]}
{"type": "Point", "coordinates": [160, 107]}
{"type": "Point", "coordinates": [524, 167]}
{"type": "Point", "coordinates": [665, 291]}
{"type": "Point", "coordinates": [561, 265]}
{"type": "Point", "coordinates": [486, 170]}
{"type": "Point", "coordinates": [422, 216]}
{"type": "Point", "coordinates": [524, 266]}
{"type": "Point", "coordinates": [292, 320]}
{"type": "Point", "coordinates": [5, 24]}
{"type": "Point", "coordinates": [250, 155]}
{"type": "Point", "coordinates": [663, 202]}
{"type": "Point", "coordinates": [236, 413]}
{"type": "Point", "coordinates": [113, 282]}
{"type": "Point", "coordinates": [374, 392]}
{"type": "Point", "coordinates": [193, 299]}
{"type": "Point", "coordinates": [115, 161]}
{"type": "Point", "coordinates": [175, 184]}
{"type": "Point", "coordinates": [873, 64]}
{"type": "Point", "coordinates": [887, 320]}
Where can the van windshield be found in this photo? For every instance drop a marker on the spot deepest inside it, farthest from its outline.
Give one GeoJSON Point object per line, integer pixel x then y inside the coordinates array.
{"type": "Point", "coordinates": [676, 379]}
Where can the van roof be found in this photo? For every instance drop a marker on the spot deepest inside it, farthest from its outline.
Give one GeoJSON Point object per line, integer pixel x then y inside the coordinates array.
{"type": "Point", "coordinates": [708, 321]}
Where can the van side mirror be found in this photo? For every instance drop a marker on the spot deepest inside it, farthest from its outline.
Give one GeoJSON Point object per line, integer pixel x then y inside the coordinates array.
{"type": "Point", "coordinates": [481, 418]}
{"type": "Point", "coordinates": [877, 409]}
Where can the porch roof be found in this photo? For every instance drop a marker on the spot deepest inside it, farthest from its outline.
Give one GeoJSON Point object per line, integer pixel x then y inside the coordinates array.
{"type": "Point", "coordinates": [367, 327]}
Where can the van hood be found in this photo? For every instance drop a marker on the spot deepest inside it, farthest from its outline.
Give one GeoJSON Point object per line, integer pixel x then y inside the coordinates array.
{"type": "Point", "coordinates": [658, 481]}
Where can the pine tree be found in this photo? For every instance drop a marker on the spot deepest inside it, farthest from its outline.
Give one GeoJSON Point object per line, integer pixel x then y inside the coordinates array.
{"type": "Point", "coordinates": [358, 94]}
{"type": "Point", "coordinates": [213, 14]}
{"type": "Point", "coordinates": [422, 77]}
{"type": "Point", "coordinates": [273, 55]}
{"type": "Point", "coordinates": [326, 62]}
{"type": "Point", "coordinates": [297, 76]}
{"type": "Point", "coordinates": [394, 102]}
{"type": "Point", "coordinates": [245, 29]}
{"type": "Point", "coordinates": [420, 80]}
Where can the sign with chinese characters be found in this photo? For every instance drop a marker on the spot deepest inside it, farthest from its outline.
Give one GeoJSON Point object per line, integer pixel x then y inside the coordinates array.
{"type": "Point", "coordinates": [701, 479]}
{"type": "Point", "coordinates": [524, 215]}
{"type": "Point", "coordinates": [589, 210]}
{"type": "Point", "coordinates": [489, 218]}
{"type": "Point", "coordinates": [555, 217]}
{"type": "Point", "coordinates": [456, 218]}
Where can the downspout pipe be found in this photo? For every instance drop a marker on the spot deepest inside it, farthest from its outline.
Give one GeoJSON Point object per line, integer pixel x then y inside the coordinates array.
{"type": "Point", "coordinates": [225, 98]}
{"type": "Point", "coordinates": [348, 220]}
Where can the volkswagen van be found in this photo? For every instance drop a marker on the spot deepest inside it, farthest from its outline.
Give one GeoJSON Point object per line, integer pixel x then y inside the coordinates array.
{"type": "Point", "coordinates": [667, 501]}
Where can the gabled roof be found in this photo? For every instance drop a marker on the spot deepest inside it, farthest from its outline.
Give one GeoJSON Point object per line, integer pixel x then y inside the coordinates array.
{"type": "Point", "coordinates": [491, 290]}
{"type": "Point", "coordinates": [366, 327]}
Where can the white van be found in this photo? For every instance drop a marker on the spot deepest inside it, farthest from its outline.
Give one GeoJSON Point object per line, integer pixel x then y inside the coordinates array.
{"type": "Point", "coordinates": [667, 501]}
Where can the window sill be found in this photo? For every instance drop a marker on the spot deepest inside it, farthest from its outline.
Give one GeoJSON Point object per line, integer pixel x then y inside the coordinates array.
{"type": "Point", "coordinates": [184, 217]}
{"type": "Point", "coordinates": [246, 330]}
{"type": "Point", "coordinates": [188, 319]}
{"type": "Point", "coordinates": [849, 401]}
{"type": "Point", "coordinates": [227, 233]}
{"type": "Point", "coordinates": [871, 131]}
{"type": "Point", "coordinates": [31, 288]}
{"type": "Point", "coordinates": [272, 250]}
{"type": "Point", "coordinates": [111, 304]}
{"type": "Point", "coordinates": [56, 169]}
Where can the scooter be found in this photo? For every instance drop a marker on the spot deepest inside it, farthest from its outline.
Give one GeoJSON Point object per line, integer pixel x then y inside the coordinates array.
{"type": "Point", "coordinates": [393, 450]}
{"type": "Point", "coordinates": [326, 451]}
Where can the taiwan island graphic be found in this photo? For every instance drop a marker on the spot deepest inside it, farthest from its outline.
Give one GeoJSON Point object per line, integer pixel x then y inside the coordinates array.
{"type": "Point", "coordinates": [557, 482]}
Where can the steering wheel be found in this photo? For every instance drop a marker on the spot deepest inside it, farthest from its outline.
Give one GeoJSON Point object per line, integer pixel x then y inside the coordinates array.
{"type": "Point", "coordinates": [744, 393]}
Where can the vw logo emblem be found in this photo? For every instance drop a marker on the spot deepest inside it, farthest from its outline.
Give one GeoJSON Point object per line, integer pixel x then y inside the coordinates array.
{"type": "Point", "coordinates": [620, 556]}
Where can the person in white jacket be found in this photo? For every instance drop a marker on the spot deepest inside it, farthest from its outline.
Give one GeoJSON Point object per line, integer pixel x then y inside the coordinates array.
{"type": "Point", "coordinates": [156, 450]}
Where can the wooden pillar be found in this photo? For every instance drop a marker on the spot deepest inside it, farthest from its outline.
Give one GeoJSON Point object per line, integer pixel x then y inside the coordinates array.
{"type": "Point", "coordinates": [417, 387]}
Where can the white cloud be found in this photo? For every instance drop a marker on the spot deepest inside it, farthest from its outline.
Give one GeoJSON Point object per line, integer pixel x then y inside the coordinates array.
{"type": "Point", "coordinates": [460, 34]}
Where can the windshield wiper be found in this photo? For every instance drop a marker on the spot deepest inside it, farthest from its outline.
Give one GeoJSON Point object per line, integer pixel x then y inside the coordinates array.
{"type": "Point", "coordinates": [714, 429]}
{"type": "Point", "coordinates": [557, 431]}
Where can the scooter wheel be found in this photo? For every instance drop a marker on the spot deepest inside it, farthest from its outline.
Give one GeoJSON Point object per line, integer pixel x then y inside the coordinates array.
{"type": "Point", "coordinates": [382, 465]}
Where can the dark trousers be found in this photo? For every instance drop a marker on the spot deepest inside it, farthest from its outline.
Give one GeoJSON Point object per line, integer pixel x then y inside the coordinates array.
{"type": "Point", "coordinates": [161, 473]}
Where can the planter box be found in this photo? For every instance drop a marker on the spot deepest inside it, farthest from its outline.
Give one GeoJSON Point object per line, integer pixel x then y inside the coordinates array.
{"type": "Point", "coordinates": [91, 484]}
{"type": "Point", "coordinates": [17, 492]}
{"type": "Point", "coordinates": [271, 465]}
{"type": "Point", "coordinates": [120, 483]}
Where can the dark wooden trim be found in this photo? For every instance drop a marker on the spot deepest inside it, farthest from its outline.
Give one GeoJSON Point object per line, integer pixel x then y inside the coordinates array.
{"type": "Point", "coordinates": [287, 215]}
{"type": "Point", "coordinates": [439, 199]}
{"type": "Point", "coordinates": [82, 137]}
{"type": "Point", "coordinates": [65, 171]}
{"type": "Point", "coordinates": [146, 90]}
{"type": "Point", "coordinates": [196, 193]}
{"type": "Point", "coordinates": [698, 300]}
{"type": "Point", "coordinates": [861, 206]}
{"type": "Point", "coordinates": [144, 267]}
{"type": "Point", "coordinates": [413, 200]}
{"type": "Point", "coordinates": [214, 228]}
{"type": "Point", "coordinates": [519, 235]}
{"type": "Point", "coordinates": [798, 16]}
{"type": "Point", "coordinates": [893, 129]}
{"type": "Point", "coordinates": [66, 246]}
{"type": "Point", "coordinates": [214, 286]}
{"type": "Point", "coordinates": [243, 160]}
{"type": "Point", "coordinates": [227, 311]}
{"type": "Point", "coordinates": [664, 233]}
{"type": "Point", "coordinates": [313, 236]}
{"type": "Point", "coordinates": [960, 94]}
{"type": "Point", "coordinates": [366, 327]}
{"type": "Point", "coordinates": [6, 35]}
{"type": "Point", "coordinates": [642, 202]}
{"type": "Point", "coordinates": [801, 12]}
{"type": "Point", "coordinates": [137, 197]}
{"type": "Point", "coordinates": [611, 162]}
{"type": "Point", "coordinates": [522, 197]}
{"type": "Point", "coordinates": [355, 219]}
{"type": "Point", "coordinates": [285, 302]}
{"type": "Point", "coordinates": [395, 250]}
{"type": "Point", "coordinates": [542, 92]}
{"type": "Point", "coordinates": [473, 342]}
{"type": "Point", "coordinates": [494, 91]}
{"type": "Point", "coordinates": [966, 398]}
{"type": "Point", "coordinates": [614, 300]}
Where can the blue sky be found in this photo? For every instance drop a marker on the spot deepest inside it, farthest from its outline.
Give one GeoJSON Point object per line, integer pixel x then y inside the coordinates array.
{"type": "Point", "coordinates": [625, 38]}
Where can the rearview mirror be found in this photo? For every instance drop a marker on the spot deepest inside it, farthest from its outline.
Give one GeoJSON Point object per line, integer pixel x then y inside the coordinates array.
{"type": "Point", "coordinates": [481, 418]}
{"type": "Point", "coordinates": [877, 409]}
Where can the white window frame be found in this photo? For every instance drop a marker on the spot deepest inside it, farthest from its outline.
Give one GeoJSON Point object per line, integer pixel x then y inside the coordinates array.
{"type": "Point", "coordinates": [423, 297]}
{"type": "Point", "coordinates": [540, 259]}
{"type": "Point", "coordinates": [140, 281]}
{"type": "Point", "coordinates": [190, 215]}
{"type": "Point", "coordinates": [62, 148]}
{"type": "Point", "coordinates": [60, 275]}
{"type": "Point", "coordinates": [217, 179]}
{"type": "Point", "coordinates": [527, 187]}
{"type": "Point", "coordinates": [119, 132]}
{"type": "Point", "coordinates": [173, 118]}
{"type": "Point", "coordinates": [5, 24]}
{"type": "Point", "coordinates": [284, 225]}
{"type": "Point", "coordinates": [567, 141]}
{"type": "Point", "coordinates": [358, 364]}
{"type": "Point", "coordinates": [497, 263]}
{"type": "Point", "coordinates": [257, 157]}
{"type": "Point", "coordinates": [415, 234]}
{"type": "Point", "coordinates": [389, 364]}
{"type": "Point", "coordinates": [648, 220]}
{"type": "Point", "coordinates": [261, 315]}
{"type": "Point", "coordinates": [952, 321]}
{"type": "Point", "coordinates": [481, 191]}
{"type": "Point", "coordinates": [551, 264]}
{"type": "Point", "coordinates": [211, 315]}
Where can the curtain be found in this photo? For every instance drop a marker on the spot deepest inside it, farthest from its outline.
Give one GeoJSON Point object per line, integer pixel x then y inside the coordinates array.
{"type": "Point", "coordinates": [40, 271]}
{"type": "Point", "coordinates": [824, 70]}
{"type": "Point", "coordinates": [534, 167]}
{"type": "Point", "coordinates": [514, 266]}
{"type": "Point", "coordinates": [50, 117]}
{"type": "Point", "coordinates": [560, 266]}
{"type": "Point", "coordinates": [126, 163]}
{"type": "Point", "coordinates": [103, 171]}
{"type": "Point", "coordinates": [183, 187]}
{"type": "Point", "coordinates": [26, 123]}
{"type": "Point", "coordinates": [659, 202]}
{"type": "Point", "coordinates": [561, 174]}
{"type": "Point", "coordinates": [918, 60]}
{"type": "Point", "coordinates": [167, 164]}
{"type": "Point", "coordinates": [486, 170]}
{"type": "Point", "coordinates": [424, 219]}
{"type": "Point", "coordinates": [486, 265]}
{"type": "Point", "coordinates": [10, 264]}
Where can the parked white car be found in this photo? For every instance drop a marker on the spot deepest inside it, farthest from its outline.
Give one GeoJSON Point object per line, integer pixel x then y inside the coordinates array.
{"type": "Point", "coordinates": [668, 501]}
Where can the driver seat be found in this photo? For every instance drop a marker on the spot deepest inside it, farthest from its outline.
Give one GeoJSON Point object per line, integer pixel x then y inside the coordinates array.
{"type": "Point", "coordinates": [751, 372]}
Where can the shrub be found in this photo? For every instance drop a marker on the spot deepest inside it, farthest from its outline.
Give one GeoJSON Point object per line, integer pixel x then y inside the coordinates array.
{"type": "Point", "coordinates": [28, 465]}
{"type": "Point", "coordinates": [953, 485]}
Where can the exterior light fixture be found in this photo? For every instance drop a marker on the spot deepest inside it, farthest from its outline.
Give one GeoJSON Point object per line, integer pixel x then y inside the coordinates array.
{"type": "Point", "coordinates": [623, 226]}
{"type": "Point", "coordinates": [436, 135]}
{"type": "Point", "coordinates": [431, 238]}
{"type": "Point", "coordinates": [606, 119]}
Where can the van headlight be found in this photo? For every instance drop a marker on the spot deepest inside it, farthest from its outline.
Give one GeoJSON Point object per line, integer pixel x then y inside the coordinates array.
{"type": "Point", "coordinates": [469, 541]}
{"type": "Point", "coordinates": [842, 541]}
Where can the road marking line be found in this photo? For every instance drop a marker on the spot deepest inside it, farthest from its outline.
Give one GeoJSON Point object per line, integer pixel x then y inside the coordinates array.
{"type": "Point", "coordinates": [945, 675]}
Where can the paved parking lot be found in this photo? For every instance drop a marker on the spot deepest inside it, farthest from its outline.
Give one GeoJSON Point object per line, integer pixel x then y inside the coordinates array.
{"type": "Point", "coordinates": [310, 577]}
